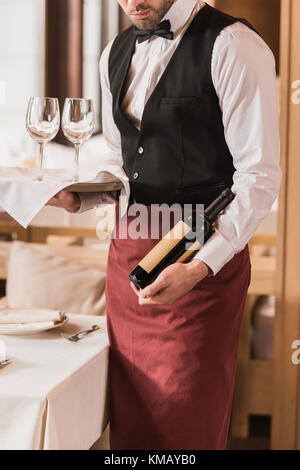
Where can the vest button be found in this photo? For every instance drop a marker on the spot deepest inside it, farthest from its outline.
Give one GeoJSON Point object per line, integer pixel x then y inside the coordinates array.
{"type": "Point", "coordinates": [135, 176]}
{"type": "Point", "coordinates": [141, 150]}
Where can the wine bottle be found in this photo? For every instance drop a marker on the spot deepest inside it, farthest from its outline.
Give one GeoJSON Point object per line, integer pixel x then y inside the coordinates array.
{"type": "Point", "coordinates": [172, 248]}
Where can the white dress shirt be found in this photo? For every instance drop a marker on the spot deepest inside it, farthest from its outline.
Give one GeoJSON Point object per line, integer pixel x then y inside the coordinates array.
{"type": "Point", "coordinates": [243, 73]}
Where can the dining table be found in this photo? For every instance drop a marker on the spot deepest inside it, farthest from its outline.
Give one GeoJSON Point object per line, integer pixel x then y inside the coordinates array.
{"type": "Point", "coordinates": [54, 393]}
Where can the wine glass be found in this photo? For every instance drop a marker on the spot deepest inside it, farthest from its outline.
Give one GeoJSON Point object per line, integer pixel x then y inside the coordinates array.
{"type": "Point", "coordinates": [78, 123]}
{"type": "Point", "coordinates": [42, 124]}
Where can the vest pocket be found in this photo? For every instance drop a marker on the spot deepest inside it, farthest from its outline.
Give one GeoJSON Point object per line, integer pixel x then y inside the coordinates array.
{"type": "Point", "coordinates": [201, 188]}
{"type": "Point", "coordinates": [180, 100]}
{"type": "Point", "coordinates": [200, 194]}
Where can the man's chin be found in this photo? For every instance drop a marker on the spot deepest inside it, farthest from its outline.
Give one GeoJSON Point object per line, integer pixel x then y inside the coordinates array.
{"type": "Point", "coordinates": [143, 24]}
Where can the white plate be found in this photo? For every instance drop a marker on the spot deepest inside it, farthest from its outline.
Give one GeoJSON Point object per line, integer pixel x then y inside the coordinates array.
{"type": "Point", "coordinates": [30, 328]}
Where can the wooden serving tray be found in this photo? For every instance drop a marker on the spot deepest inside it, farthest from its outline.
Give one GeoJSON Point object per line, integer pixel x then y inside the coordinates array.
{"type": "Point", "coordinates": [94, 187]}
{"type": "Point", "coordinates": [107, 182]}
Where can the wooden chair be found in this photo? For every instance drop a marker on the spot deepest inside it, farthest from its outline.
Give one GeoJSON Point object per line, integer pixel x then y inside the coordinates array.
{"type": "Point", "coordinates": [54, 235]}
{"type": "Point", "coordinates": [15, 230]}
{"type": "Point", "coordinates": [254, 385]}
{"type": "Point", "coordinates": [58, 239]}
{"type": "Point", "coordinates": [41, 234]}
{"type": "Point", "coordinates": [80, 254]}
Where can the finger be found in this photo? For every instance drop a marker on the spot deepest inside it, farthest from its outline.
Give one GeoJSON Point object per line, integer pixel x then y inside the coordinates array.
{"type": "Point", "coordinates": [159, 299]}
{"type": "Point", "coordinates": [52, 202]}
{"type": "Point", "coordinates": [63, 196]}
{"type": "Point", "coordinates": [154, 288]}
{"type": "Point", "coordinates": [134, 288]}
{"type": "Point", "coordinates": [57, 195]}
{"type": "Point", "coordinates": [54, 198]}
{"type": "Point", "coordinates": [149, 301]}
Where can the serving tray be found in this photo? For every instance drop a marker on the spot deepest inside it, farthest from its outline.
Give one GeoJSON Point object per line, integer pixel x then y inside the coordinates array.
{"type": "Point", "coordinates": [107, 182]}
{"type": "Point", "coordinates": [94, 187]}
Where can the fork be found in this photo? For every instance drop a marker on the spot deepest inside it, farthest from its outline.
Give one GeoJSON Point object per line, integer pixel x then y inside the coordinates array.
{"type": "Point", "coordinates": [79, 335]}
{"type": "Point", "coordinates": [5, 362]}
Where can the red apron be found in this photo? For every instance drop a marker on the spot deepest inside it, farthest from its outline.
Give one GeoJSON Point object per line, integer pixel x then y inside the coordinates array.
{"type": "Point", "coordinates": [172, 367]}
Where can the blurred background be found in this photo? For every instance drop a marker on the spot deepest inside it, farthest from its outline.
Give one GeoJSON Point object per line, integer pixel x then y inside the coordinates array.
{"type": "Point", "coordinates": [52, 48]}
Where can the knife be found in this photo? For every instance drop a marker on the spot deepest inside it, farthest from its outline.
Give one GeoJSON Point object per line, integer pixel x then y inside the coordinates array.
{"type": "Point", "coordinates": [5, 362]}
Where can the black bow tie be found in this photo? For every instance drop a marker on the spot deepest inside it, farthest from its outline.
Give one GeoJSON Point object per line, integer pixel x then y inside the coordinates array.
{"type": "Point", "coordinates": [163, 30]}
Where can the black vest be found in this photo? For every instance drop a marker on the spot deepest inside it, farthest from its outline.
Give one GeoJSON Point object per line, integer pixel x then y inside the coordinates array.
{"type": "Point", "coordinates": [180, 154]}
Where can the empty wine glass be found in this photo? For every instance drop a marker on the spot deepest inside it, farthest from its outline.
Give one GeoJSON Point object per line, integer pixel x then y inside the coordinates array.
{"type": "Point", "coordinates": [78, 124]}
{"type": "Point", "coordinates": [42, 124]}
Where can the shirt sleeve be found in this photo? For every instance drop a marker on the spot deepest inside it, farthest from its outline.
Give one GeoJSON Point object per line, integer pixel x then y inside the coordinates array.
{"type": "Point", "coordinates": [244, 77]}
{"type": "Point", "coordinates": [111, 135]}
{"type": "Point", "coordinates": [110, 130]}
{"type": "Point", "coordinates": [90, 200]}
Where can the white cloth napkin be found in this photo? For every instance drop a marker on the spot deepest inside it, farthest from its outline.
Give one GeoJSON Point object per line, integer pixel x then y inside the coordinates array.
{"type": "Point", "coordinates": [2, 351]}
{"type": "Point", "coordinates": [25, 327]}
{"type": "Point", "coordinates": [15, 316]}
{"type": "Point", "coordinates": [22, 197]}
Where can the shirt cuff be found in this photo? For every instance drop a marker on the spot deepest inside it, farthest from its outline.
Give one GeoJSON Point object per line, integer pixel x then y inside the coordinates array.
{"type": "Point", "coordinates": [216, 252]}
{"type": "Point", "coordinates": [91, 200]}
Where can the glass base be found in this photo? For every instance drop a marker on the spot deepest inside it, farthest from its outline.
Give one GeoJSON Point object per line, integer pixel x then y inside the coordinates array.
{"type": "Point", "coordinates": [74, 179]}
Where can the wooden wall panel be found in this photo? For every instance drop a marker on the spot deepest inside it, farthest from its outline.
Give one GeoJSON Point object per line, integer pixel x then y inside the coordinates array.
{"type": "Point", "coordinates": [286, 418]}
{"type": "Point", "coordinates": [64, 51]}
{"type": "Point", "coordinates": [264, 15]}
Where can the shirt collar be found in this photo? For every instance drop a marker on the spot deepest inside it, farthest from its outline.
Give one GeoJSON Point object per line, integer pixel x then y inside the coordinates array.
{"type": "Point", "coordinates": [179, 13]}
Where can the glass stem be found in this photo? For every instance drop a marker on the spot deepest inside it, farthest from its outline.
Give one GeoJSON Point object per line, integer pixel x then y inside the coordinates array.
{"type": "Point", "coordinates": [41, 157]}
{"type": "Point", "coordinates": [77, 149]}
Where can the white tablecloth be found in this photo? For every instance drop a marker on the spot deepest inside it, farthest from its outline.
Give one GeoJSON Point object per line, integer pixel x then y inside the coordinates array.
{"type": "Point", "coordinates": [22, 197]}
{"type": "Point", "coordinates": [54, 394]}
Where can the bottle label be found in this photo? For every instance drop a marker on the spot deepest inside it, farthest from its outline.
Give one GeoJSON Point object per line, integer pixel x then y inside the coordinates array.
{"type": "Point", "coordinates": [166, 244]}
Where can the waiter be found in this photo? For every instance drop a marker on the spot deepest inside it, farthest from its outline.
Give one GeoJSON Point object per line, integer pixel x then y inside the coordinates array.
{"type": "Point", "coordinates": [189, 108]}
